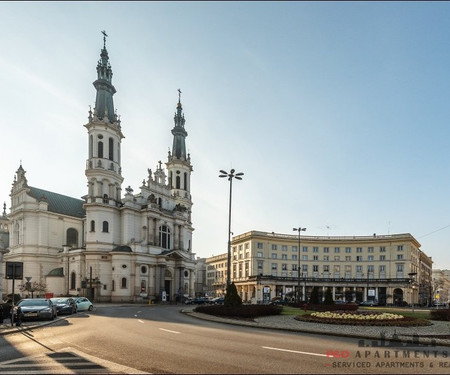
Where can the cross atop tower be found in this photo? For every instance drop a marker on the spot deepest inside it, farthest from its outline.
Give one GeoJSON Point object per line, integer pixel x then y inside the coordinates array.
{"type": "Point", "coordinates": [104, 38]}
{"type": "Point", "coordinates": [179, 96]}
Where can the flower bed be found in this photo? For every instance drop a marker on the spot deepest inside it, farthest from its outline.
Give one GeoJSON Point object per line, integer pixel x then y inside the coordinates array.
{"type": "Point", "coordinates": [362, 318]}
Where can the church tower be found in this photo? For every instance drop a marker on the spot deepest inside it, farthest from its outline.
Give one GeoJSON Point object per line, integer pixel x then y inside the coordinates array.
{"type": "Point", "coordinates": [179, 162]}
{"type": "Point", "coordinates": [103, 166]}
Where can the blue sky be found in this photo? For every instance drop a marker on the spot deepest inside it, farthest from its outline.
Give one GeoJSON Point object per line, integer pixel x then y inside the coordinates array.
{"type": "Point", "coordinates": [337, 113]}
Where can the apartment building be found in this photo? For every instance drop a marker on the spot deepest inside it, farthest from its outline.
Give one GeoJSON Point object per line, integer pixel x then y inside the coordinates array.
{"type": "Point", "coordinates": [388, 268]}
{"type": "Point", "coordinates": [216, 275]}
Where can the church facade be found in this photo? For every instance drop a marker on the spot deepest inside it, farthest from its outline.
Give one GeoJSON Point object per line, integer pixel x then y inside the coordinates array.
{"type": "Point", "coordinates": [109, 245]}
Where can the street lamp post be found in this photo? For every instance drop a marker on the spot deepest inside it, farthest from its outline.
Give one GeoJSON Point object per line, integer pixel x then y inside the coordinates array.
{"type": "Point", "coordinates": [299, 229]}
{"type": "Point", "coordinates": [230, 176]}
{"type": "Point", "coordinates": [412, 278]}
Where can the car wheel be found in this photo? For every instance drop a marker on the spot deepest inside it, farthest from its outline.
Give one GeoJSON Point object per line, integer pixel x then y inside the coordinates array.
{"type": "Point", "coordinates": [91, 308]}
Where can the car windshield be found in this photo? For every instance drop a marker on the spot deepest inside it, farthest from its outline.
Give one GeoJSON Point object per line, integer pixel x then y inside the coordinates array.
{"type": "Point", "coordinates": [33, 302]}
{"type": "Point", "coordinates": [60, 300]}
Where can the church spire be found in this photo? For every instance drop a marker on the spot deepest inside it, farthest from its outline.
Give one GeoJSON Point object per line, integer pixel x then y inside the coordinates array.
{"type": "Point", "coordinates": [179, 133]}
{"type": "Point", "coordinates": [104, 106]}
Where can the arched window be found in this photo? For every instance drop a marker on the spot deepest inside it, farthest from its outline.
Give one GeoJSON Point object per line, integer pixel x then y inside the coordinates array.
{"type": "Point", "coordinates": [124, 283]}
{"type": "Point", "coordinates": [17, 233]}
{"type": "Point", "coordinates": [164, 236]}
{"type": "Point", "coordinates": [178, 182]}
{"type": "Point", "coordinates": [100, 149]}
{"type": "Point", "coordinates": [105, 227]}
{"type": "Point", "coordinates": [105, 198]}
{"type": "Point", "coordinates": [185, 181]}
{"type": "Point", "coordinates": [92, 226]}
{"type": "Point", "coordinates": [91, 146]}
{"type": "Point", "coordinates": [73, 280]}
{"type": "Point", "coordinates": [111, 149]}
{"type": "Point", "coordinates": [72, 237]}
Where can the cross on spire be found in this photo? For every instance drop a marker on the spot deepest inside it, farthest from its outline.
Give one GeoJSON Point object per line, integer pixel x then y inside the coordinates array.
{"type": "Point", "coordinates": [179, 96]}
{"type": "Point", "coordinates": [104, 38]}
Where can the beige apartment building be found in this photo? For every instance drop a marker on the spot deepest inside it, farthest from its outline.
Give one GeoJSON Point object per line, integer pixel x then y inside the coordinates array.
{"type": "Point", "coordinates": [390, 269]}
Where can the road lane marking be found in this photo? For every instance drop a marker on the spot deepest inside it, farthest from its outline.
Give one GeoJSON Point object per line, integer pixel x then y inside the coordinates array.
{"type": "Point", "coordinates": [294, 351]}
{"type": "Point", "coordinates": [168, 330]}
{"type": "Point", "coordinates": [140, 321]}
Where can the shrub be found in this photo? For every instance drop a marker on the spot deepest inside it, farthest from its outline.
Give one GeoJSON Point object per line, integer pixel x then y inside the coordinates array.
{"type": "Point", "coordinates": [328, 297]}
{"type": "Point", "coordinates": [243, 311]}
{"type": "Point", "coordinates": [232, 297]}
{"type": "Point", "coordinates": [340, 307]}
{"type": "Point", "coordinates": [314, 296]}
{"type": "Point", "coordinates": [440, 314]}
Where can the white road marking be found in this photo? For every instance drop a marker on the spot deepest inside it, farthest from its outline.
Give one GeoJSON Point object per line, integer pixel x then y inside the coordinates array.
{"type": "Point", "coordinates": [294, 351]}
{"type": "Point", "coordinates": [140, 321]}
{"type": "Point", "coordinates": [168, 330]}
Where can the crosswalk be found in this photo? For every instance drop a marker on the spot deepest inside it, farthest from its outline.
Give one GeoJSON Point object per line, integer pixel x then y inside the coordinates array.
{"type": "Point", "coordinates": [66, 361]}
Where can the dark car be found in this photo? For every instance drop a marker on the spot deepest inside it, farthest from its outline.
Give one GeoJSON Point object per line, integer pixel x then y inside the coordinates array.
{"type": "Point", "coordinates": [278, 301]}
{"type": "Point", "coordinates": [369, 303]}
{"type": "Point", "coordinates": [36, 308]}
{"type": "Point", "coordinates": [217, 301]}
{"type": "Point", "coordinates": [198, 301]}
{"type": "Point", "coordinates": [65, 305]}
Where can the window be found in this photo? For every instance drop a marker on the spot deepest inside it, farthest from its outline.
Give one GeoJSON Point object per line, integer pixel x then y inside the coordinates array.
{"type": "Point", "coordinates": [294, 248]}
{"type": "Point", "coordinates": [359, 249]}
{"type": "Point", "coordinates": [143, 269]}
{"type": "Point", "coordinates": [304, 257]}
{"type": "Point", "coordinates": [111, 149]}
{"type": "Point", "coordinates": [400, 248]}
{"type": "Point", "coordinates": [92, 226]}
{"type": "Point", "coordinates": [274, 255]}
{"type": "Point", "coordinates": [283, 256]}
{"type": "Point", "coordinates": [348, 250]}
{"type": "Point", "coordinates": [260, 264]}
{"type": "Point", "coordinates": [274, 266]}
{"type": "Point", "coordinates": [283, 247]}
{"type": "Point", "coordinates": [337, 250]}
{"type": "Point", "coordinates": [359, 258]}
{"type": "Point", "coordinates": [326, 268]}
{"type": "Point", "coordinates": [305, 249]}
{"type": "Point", "coordinates": [326, 249]}
{"type": "Point", "coordinates": [73, 279]}
{"type": "Point", "coordinates": [382, 249]}
{"type": "Point", "coordinates": [382, 257]}
{"type": "Point", "coordinates": [284, 267]}
{"type": "Point", "coordinates": [164, 236]}
{"type": "Point", "coordinates": [105, 198]}
{"type": "Point", "coordinates": [315, 268]}
{"type": "Point", "coordinates": [399, 256]}
{"type": "Point", "coordinates": [382, 268]}
{"type": "Point", "coordinates": [358, 268]}
{"type": "Point", "coordinates": [247, 246]}
{"type": "Point", "coordinates": [348, 258]}
{"type": "Point", "coordinates": [370, 268]}
{"type": "Point", "coordinates": [177, 182]}
{"type": "Point", "coordinates": [259, 245]}
{"type": "Point", "coordinates": [72, 237]}
{"type": "Point", "coordinates": [370, 258]}
{"type": "Point", "coordinates": [294, 267]}
{"type": "Point", "coordinates": [123, 283]}
{"type": "Point", "coordinates": [337, 258]}
{"type": "Point", "coordinates": [259, 254]}
{"type": "Point", "coordinates": [370, 249]}
{"type": "Point", "coordinates": [326, 258]}
{"type": "Point", "coordinates": [294, 256]}
{"type": "Point", "coordinates": [100, 149]}
{"type": "Point", "coordinates": [185, 181]}
{"type": "Point", "coordinates": [315, 257]}
{"type": "Point", "coordinates": [315, 249]}
{"type": "Point", "coordinates": [105, 227]}
{"type": "Point", "coordinates": [399, 267]}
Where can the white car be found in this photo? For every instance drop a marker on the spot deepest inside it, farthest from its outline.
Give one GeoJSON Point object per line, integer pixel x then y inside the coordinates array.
{"type": "Point", "coordinates": [84, 304]}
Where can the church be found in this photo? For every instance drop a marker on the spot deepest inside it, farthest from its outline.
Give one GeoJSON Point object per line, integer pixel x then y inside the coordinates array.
{"type": "Point", "coordinates": [107, 246]}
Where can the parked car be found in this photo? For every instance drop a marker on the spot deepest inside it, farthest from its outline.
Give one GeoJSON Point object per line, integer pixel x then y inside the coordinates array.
{"type": "Point", "coordinates": [35, 308]}
{"type": "Point", "coordinates": [84, 304]}
{"type": "Point", "coordinates": [217, 301]}
{"type": "Point", "coordinates": [369, 303]}
{"type": "Point", "coordinates": [197, 301]}
{"type": "Point", "coordinates": [65, 305]}
{"type": "Point", "coordinates": [278, 301]}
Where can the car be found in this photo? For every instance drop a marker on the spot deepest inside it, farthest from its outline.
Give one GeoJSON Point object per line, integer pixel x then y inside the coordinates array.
{"type": "Point", "coordinates": [65, 305]}
{"type": "Point", "coordinates": [197, 301]}
{"type": "Point", "coordinates": [369, 303]}
{"type": "Point", "coordinates": [83, 304]}
{"type": "Point", "coordinates": [217, 301]}
{"type": "Point", "coordinates": [278, 301]}
{"type": "Point", "coordinates": [35, 308]}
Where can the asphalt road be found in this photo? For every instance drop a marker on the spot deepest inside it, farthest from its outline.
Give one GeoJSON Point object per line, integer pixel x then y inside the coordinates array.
{"type": "Point", "coordinates": [160, 339]}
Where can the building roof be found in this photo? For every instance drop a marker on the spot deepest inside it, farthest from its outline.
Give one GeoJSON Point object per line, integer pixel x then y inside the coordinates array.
{"type": "Point", "coordinates": [59, 203]}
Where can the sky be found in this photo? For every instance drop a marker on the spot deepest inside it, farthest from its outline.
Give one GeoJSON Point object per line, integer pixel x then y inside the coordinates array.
{"type": "Point", "coordinates": [336, 112]}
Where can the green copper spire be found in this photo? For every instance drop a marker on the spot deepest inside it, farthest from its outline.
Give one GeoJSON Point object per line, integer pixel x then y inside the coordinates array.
{"type": "Point", "coordinates": [104, 105]}
{"type": "Point", "coordinates": [179, 133]}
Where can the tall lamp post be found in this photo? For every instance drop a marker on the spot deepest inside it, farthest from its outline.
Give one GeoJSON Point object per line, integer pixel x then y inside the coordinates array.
{"type": "Point", "coordinates": [237, 176]}
{"type": "Point", "coordinates": [412, 279]}
{"type": "Point", "coordinates": [299, 230]}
